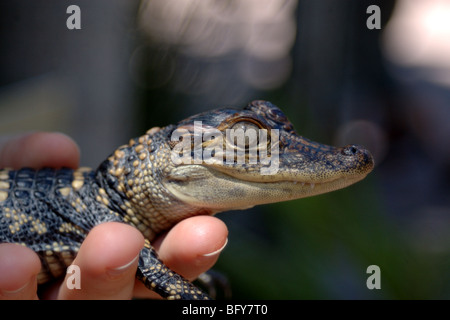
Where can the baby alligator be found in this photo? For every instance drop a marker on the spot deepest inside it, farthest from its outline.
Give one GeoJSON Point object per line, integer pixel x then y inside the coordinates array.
{"type": "Point", "coordinates": [215, 161]}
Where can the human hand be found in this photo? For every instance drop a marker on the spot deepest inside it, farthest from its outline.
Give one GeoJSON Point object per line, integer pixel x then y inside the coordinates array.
{"type": "Point", "coordinates": [107, 257]}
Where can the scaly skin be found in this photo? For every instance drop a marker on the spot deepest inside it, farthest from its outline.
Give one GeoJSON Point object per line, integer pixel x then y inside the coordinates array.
{"type": "Point", "coordinates": [167, 175]}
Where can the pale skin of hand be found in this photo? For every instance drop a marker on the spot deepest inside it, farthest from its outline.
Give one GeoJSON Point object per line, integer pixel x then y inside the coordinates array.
{"type": "Point", "coordinates": [108, 256]}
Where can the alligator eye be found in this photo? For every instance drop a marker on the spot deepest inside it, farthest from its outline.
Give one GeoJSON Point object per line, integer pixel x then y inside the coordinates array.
{"type": "Point", "coordinates": [250, 133]}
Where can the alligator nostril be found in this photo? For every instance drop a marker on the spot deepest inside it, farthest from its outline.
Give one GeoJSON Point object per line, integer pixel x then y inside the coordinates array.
{"type": "Point", "coordinates": [350, 150]}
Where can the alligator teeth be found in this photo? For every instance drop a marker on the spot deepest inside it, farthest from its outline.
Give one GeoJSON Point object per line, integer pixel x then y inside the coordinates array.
{"type": "Point", "coordinates": [311, 185]}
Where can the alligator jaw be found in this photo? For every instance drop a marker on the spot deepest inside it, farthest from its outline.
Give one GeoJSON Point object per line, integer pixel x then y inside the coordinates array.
{"type": "Point", "coordinates": [200, 186]}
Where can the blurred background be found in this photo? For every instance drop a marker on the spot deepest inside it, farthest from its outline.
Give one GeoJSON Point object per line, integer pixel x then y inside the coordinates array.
{"type": "Point", "coordinates": [138, 64]}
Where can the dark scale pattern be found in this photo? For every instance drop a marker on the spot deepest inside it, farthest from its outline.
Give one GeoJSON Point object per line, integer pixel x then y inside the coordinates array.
{"type": "Point", "coordinates": [164, 281]}
{"type": "Point", "coordinates": [51, 211]}
{"type": "Point", "coordinates": [45, 212]}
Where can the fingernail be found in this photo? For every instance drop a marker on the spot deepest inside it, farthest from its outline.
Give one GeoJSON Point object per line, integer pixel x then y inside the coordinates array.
{"type": "Point", "coordinates": [121, 269]}
{"type": "Point", "coordinates": [217, 251]}
{"type": "Point", "coordinates": [13, 292]}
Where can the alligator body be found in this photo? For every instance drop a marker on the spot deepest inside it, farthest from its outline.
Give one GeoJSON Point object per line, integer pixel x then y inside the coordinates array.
{"type": "Point", "coordinates": [215, 161]}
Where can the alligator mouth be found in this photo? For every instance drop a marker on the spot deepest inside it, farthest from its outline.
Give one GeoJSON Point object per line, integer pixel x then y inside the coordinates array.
{"type": "Point", "coordinates": [207, 187]}
{"type": "Point", "coordinates": [353, 163]}
{"type": "Point", "coordinates": [311, 185]}
{"type": "Point", "coordinates": [295, 178]}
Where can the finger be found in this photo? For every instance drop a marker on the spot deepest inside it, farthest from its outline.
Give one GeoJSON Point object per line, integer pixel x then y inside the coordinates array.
{"type": "Point", "coordinates": [193, 246]}
{"type": "Point", "coordinates": [39, 149]}
{"type": "Point", "coordinates": [19, 267]}
{"type": "Point", "coordinates": [107, 260]}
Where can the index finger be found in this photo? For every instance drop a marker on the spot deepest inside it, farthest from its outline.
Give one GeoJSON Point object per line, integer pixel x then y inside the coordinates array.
{"type": "Point", "coordinates": [39, 149]}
